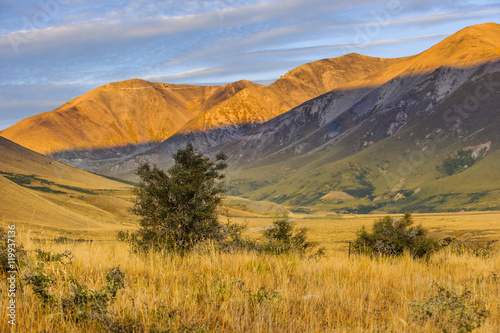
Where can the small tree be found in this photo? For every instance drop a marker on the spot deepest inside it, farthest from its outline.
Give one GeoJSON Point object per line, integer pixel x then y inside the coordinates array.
{"type": "Point", "coordinates": [392, 236]}
{"type": "Point", "coordinates": [178, 208]}
{"type": "Point", "coordinates": [282, 238]}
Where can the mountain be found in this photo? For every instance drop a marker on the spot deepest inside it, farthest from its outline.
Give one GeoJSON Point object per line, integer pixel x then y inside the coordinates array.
{"type": "Point", "coordinates": [361, 148]}
{"type": "Point", "coordinates": [46, 195]}
{"type": "Point", "coordinates": [122, 119]}
{"type": "Point", "coordinates": [354, 133]}
{"type": "Point", "coordinates": [418, 83]}
{"type": "Point", "coordinates": [119, 114]}
{"type": "Point", "coordinates": [253, 106]}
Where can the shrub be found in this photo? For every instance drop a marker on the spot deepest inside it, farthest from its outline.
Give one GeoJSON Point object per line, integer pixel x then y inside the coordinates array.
{"type": "Point", "coordinates": [283, 239]}
{"type": "Point", "coordinates": [16, 253]}
{"type": "Point", "coordinates": [393, 236]}
{"type": "Point", "coordinates": [80, 303]}
{"type": "Point", "coordinates": [83, 303]}
{"type": "Point", "coordinates": [64, 257]}
{"type": "Point", "coordinates": [179, 207]}
{"type": "Point", "coordinates": [477, 248]}
{"type": "Point", "coordinates": [449, 311]}
{"type": "Point", "coordinates": [40, 282]}
{"type": "Point", "coordinates": [464, 159]}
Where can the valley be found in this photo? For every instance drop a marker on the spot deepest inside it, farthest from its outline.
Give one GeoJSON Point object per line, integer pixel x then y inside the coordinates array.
{"type": "Point", "coordinates": [250, 166]}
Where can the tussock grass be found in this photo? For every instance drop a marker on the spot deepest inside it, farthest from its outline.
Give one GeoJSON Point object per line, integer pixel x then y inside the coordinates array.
{"type": "Point", "coordinates": [207, 291]}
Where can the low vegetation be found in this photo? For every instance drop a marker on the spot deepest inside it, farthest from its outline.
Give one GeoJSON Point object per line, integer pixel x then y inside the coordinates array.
{"type": "Point", "coordinates": [393, 236]}
{"type": "Point", "coordinates": [184, 270]}
{"type": "Point", "coordinates": [450, 311]}
{"type": "Point", "coordinates": [283, 239]}
{"type": "Point", "coordinates": [102, 287]}
{"type": "Point", "coordinates": [464, 159]}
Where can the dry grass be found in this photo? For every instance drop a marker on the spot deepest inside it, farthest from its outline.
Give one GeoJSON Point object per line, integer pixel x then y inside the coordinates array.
{"type": "Point", "coordinates": [334, 232]}
{"type": "Point", "coordinates": [209, 291]}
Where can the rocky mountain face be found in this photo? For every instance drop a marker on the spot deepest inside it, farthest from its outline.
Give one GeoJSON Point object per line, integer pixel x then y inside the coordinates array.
{"type": "Point", "coordinates": [390, 157]}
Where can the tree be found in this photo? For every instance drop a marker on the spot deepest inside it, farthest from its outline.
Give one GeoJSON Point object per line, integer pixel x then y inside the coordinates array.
{"type": "Point", "coordinates": [393, 236]}
{"type": "Point", "coordinates": [179, 207]}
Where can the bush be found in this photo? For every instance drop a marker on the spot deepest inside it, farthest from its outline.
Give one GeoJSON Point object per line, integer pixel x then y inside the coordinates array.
{"type": "Point", "coordinates": [283, 239]}
{"type": "Point", "coordinates": [464, 159]}
{"type": "Point", "coordinates": [179, 207]}
{"type": "Point", "coordinates": [449, 311]}
{"type": "Point", "coordinates": [80, 303]}
{"type": "Point", "coordinates": [477, 248]}
{"type": "Point", "coordinates": [16, 254]}
{"type": "Point", "coordinates": [391, 237]}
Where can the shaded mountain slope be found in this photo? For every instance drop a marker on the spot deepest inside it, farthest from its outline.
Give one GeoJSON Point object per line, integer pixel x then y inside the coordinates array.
{"type": "Point", "coordinates": [392, 162]}
{"type": "Point", "coordinates": [409, 88]}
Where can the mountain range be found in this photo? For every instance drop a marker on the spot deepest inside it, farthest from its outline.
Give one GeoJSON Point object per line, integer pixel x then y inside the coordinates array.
{"type": "Point", "coordinates": [349, 134]}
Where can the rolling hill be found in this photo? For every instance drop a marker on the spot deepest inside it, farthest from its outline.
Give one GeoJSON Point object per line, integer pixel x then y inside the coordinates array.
{"type": "Point", "coordinates": [48, 196]}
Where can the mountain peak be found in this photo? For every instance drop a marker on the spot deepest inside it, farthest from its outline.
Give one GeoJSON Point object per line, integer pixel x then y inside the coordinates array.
{"type": "Point", "coordinates": [468, 47]}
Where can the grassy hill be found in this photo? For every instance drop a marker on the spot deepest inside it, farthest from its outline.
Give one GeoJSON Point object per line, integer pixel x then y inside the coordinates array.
{"type": "Point", "coordinates": [51, 197]}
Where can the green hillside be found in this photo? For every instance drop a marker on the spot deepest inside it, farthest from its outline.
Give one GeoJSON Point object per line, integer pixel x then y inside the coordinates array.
{"type": "Point", "coordinates": [404, 171]}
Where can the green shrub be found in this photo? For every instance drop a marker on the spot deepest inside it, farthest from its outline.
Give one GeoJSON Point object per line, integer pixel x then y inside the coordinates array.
{"type": "Point", "coordinates": [40, 282]}
{"type": "Point", "coordinates": [283, 239]}
{"type": "Point", "coordinates": [449, 311]}
{"type": "Point", "coordinates": [477, 248]}
{"type": "Point", "coordinates": [83, 303]}
{"type": "Point", "coordinates": [16, 253]}
{"type": "Point", "coordinates": [179, 207]}
{"type": "Point", "coordinates": [78, 303]}
{"type": "Point", "coordinates": [464, 159]}
{"type": "Point", "coordinates": [64, 257]}
{"type": "Point", "coordinates": [392, 236]}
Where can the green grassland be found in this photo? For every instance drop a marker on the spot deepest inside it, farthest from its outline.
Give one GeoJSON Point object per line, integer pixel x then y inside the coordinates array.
{"type": "Point", "coordinates": [394, 175]}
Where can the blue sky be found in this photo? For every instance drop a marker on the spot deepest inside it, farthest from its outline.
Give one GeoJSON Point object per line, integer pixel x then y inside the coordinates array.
{"type": "Point", "coordinates": [52, 51]}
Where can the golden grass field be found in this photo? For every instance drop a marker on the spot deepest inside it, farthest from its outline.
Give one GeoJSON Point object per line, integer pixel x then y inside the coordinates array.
{"type": "Point", "coordinates": [208, 291]}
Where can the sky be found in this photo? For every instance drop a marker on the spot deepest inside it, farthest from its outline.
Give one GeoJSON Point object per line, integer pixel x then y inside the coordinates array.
{"type": "Point", "coordinates": [52, 51]}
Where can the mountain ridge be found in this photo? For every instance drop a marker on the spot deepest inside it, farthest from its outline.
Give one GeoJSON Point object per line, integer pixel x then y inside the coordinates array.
{"type": "Point", "coordinates": [118, 114]}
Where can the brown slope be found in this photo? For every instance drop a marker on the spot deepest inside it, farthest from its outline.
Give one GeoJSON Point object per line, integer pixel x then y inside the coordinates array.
{"type": "Point", "coordinates": [118, 114]}
{"type": "Point", "coordinates": [19, 160]}
{"type": "Point", "coordinates": [39, 192]}
{"type": "Point", "coordinates": [259, 104]}
{"type": "Point", "coordinates": [21, 205]}
{"type": "Point", "coordinates": [467, 48]}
